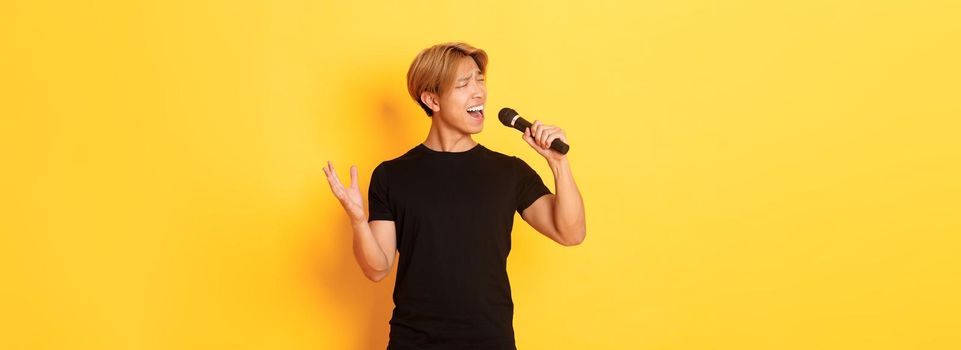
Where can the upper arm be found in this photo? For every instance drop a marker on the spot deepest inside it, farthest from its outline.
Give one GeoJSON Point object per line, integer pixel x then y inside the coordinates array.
{"type": "Point", "coordinates": [381, 217]}
{"type": "Point", "coordinates": [385, 233]}
{"type": "Point", "coordinates": [540, 215]}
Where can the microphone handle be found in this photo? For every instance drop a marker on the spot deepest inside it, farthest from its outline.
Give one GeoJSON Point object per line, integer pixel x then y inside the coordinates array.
{"type": "Point", "coordinates": [557, 144]}
{"type": "Point", "coordinates": [560, 146]}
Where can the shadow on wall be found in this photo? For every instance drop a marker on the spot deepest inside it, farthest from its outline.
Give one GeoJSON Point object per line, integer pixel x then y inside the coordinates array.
{"type": "Point", "coordinates": [386, 126]}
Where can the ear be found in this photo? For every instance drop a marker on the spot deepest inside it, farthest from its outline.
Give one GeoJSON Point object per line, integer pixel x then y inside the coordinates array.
{"type": "Point", "coordinates": [430, 100]}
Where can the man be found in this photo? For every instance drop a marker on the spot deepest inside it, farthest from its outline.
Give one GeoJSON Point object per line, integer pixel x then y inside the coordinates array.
{"type": "Point", "coordinates": [447, 205]}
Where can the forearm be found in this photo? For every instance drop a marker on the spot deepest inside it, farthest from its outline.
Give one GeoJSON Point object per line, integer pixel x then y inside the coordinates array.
{"type": "Point", "coordinates": [568, 204]}
{"type": "Point", "coordinates": [367, 251]}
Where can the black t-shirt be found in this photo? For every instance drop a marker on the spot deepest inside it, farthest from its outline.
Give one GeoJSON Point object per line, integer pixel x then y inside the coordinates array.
{"type": "Point", "coordinates": [453, 212]}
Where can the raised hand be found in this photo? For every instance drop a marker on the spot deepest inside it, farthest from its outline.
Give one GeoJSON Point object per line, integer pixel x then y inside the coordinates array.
{"type": "Point", "coordinates": [539, 137]}
{"type": "Point", "coordinates": [349, 197]}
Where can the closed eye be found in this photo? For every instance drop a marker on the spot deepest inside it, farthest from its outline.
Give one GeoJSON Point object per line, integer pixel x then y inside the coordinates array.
{"type": "Point", "coordinates": [465, 84]}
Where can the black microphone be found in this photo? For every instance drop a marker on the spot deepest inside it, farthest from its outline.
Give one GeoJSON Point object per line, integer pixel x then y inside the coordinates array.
{"type": "Point", "coordinates": [510, 118]}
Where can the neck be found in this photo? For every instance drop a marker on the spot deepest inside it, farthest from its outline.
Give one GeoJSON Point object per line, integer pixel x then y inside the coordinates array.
{"type": "Point", "coordinates": [445, 139]}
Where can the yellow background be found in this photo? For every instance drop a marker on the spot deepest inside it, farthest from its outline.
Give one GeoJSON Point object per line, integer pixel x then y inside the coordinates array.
{"type": "Point", "coordinates": [757, 174]}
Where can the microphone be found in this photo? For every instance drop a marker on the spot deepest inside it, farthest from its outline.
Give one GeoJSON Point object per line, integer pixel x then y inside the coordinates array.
{"type": "Point", "coordinates": [510, 118]}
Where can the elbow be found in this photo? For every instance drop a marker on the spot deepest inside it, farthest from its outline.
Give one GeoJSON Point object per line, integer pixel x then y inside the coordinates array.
{"type": "Point", "coordinates": [376, 279]}
{"type": "Point", "coordinates": [573, 233]}
{"type": "Point", "coordinates": [577, 239]}
{"type": "Point", "coordinates": [572, 243]}
{"type": "Point", "coordinates": [376, 276]}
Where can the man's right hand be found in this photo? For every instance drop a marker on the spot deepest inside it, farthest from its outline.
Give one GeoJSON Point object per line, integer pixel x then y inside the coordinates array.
{"type": "Point", "coordinates": [349, 197]}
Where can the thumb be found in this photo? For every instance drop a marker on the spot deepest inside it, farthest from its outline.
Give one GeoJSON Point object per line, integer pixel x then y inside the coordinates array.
{"type": "Point", "coordinates": [527, 136]}
{"type": "Point", "coordinates": [353, 176]}
{"type": "Point", "coordinates": [530, 139]}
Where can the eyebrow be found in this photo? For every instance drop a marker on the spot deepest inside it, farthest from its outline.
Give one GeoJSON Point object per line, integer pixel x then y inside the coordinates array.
{"type": "Point", "coordinates": [478, 72]}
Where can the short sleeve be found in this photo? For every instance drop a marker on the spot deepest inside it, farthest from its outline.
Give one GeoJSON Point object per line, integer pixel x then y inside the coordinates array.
{"type": "Point", "coordinates": [378, 196]}
{"type": "Point", "coordinates": [530, 187]}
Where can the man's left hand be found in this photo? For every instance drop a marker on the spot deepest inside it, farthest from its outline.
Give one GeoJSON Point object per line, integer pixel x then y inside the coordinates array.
{"type": "Point", "coordinates": [539, 137]}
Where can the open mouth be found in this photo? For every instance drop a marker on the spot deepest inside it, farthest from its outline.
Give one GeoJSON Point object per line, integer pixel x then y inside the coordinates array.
{"type": "Point", "coordinates": [477, 112]}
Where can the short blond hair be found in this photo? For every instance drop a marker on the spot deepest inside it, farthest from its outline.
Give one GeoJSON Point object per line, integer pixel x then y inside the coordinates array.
{"type": "Point", "coordinates": [433, 69]}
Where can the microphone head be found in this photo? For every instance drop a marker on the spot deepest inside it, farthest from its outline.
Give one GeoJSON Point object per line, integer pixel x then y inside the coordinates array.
{"type": "Point", "coordinates": [506, 115]}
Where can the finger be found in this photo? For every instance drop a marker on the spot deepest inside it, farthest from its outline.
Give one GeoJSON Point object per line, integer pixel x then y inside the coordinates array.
{"type": "Point", "coordinates": [553, 136]}
{"type": "Point", "coordinates": [339, 193]}
{"type": "Point", "coordinates": [555, 133]}
{"type": "Point", "coordinates": [335, 187]}
{"type": "Point", "coordinates": [547, 130]}
{"type": "Point", "coordinates": [334, 173]}
{"type": "Point", "coordinates": [334, 179]}
{"type": "Point", "coordinates": [546, 139]}
{"type": "Point", "coordinates": [542, 136]}
{"type": "Point", "coordinates": [329, 174]}
{"type": "Point", "coordinates": [536, 132]}
{"type": "Point", "coordinates": [528, 138]}
{"type": "Point", "coordinates": [561, 135]}
{"type": "Point", "coordinates": [353, 176]}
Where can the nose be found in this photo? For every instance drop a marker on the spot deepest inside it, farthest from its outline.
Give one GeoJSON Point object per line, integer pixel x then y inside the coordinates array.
{"type": "Point", "coordinates": [480, 90]}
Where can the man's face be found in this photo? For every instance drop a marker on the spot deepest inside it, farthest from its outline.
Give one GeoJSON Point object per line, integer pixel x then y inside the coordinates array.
{"type": "Point", "coordinates": [462, 105]}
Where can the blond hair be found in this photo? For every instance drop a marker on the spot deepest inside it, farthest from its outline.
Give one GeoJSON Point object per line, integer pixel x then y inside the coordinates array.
{"type": "Point", "coordinates": [434, 68]}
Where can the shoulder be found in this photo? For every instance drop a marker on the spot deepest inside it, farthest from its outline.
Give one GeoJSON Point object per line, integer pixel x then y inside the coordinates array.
{"type": "Point", "coordinates": [498, 156]}
{"type": "Point", "coordinates": [514, 162]}
{"type": "Point", "coordinates": [409, 156]}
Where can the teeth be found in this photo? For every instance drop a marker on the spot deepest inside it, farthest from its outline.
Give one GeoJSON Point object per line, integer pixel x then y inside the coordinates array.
{"type": "Point", "coordinates": [476, 108]}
